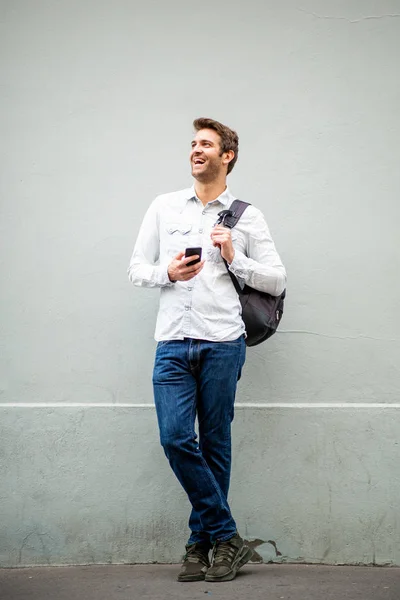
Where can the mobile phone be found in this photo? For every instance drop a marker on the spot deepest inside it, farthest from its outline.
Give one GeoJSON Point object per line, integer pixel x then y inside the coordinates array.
{"type": "Point", "coordinates": [193, 252]}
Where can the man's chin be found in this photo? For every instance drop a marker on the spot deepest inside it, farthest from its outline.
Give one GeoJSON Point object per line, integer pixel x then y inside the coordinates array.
{"type": "Point", "coordinates": [202, 176]}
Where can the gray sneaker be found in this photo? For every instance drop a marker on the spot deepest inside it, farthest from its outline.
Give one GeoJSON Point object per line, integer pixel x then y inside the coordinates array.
{"type": "Point", "coordinates": [227, 558]}
{"type": "Point", "coordinates": [195, 563]}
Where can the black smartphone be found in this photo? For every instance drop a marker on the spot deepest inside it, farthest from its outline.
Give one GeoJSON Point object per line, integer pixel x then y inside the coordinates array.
{"type": "Point", "coordinates": [193, 252]}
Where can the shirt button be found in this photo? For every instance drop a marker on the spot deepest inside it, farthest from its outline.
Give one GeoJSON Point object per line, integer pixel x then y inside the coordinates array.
{"type": "Point", "coordinates": [200, 230]}
{"type": "Point", "coordinates": [204, 212]}
{"type": "Point", "coordinates": [187, 307]}
{"type": "Point", "coordinates": [190, 289]}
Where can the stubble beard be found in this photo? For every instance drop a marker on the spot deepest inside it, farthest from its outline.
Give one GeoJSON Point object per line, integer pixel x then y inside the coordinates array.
{"type": "Point", "coordinates": [208, 175]}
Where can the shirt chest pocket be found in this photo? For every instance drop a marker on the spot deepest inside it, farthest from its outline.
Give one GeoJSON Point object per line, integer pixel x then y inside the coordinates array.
{"type": "Point", "coordinates": [177, 236]}
{"type": "Point", "coordinates": [178, 228]}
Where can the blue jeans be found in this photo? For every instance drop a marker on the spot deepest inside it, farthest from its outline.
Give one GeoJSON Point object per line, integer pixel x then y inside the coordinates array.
{"type": "Point", "coordinates": [196, 376]}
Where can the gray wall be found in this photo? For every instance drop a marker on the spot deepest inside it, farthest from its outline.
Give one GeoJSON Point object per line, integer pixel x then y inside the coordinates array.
{"type": "Point", "coordinates": [97, 104]}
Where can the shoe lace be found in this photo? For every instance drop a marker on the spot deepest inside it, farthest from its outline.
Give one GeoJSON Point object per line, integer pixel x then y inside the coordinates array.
{"type": "Point", "coordinates": [223, 552]}
{"type": "Point", "coordinates": [195, 554]}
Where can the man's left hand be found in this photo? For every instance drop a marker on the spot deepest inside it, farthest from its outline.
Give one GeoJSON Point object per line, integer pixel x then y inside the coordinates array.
{"type": "Point", "coordinates": [221, 237]}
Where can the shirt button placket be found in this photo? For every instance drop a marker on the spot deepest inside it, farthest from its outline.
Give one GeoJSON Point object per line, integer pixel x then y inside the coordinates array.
{"type": "Point", "coordinates": [188, 305]}
{"type": "Point", "coordinates": [186, 321]}
{"type": "Point", "coordinates": [201, 226]}
{"type": "Point", "coordinates": [186, 314]}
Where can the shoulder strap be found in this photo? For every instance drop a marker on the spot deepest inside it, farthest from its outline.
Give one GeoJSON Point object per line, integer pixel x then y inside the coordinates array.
{"type": "Point", "coordinates": [232, 216]}
{"type": "Point", "coordinates": [236, 209]}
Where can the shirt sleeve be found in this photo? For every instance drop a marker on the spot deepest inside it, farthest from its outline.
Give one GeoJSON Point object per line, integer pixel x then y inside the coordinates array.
{"type": "Point", "coordinates": [261, 267]}
{"type": "Point", "coordinates": [143, 269]}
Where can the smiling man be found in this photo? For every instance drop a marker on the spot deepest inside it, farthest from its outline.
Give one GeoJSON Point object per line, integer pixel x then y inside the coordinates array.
{"type": "Point", "coordinates": [201, 338]}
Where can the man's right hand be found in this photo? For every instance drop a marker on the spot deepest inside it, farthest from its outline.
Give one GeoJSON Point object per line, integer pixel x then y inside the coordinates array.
{"type": "Point", "coordinates": [179, 271]}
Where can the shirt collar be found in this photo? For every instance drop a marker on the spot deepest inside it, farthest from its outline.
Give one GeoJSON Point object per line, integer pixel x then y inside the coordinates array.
{"type": "Point", "coordinates": [225, 198]}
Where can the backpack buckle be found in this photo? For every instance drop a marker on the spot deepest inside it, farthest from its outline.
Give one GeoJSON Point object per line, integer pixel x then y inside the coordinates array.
{"type": "Point", "coordinates": [224, 218]}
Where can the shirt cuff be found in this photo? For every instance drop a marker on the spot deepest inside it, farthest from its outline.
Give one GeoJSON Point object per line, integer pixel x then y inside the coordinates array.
{"type": "Point", "coordinates": [164, 277]}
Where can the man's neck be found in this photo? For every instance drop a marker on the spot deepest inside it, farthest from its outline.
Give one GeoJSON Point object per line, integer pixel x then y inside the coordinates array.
{"type": "Point", "coordinates": [207, 192]}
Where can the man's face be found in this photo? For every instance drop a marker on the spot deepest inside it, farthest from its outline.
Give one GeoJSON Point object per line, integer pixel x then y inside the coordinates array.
{"type": "Point", "coordinates": [205, 156]}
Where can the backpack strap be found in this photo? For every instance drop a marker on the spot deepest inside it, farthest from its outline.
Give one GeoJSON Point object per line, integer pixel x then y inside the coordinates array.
{"type": "Point", "coordinates": [229, 218]}
{"type": "Point", "coordinates": [238, 207]}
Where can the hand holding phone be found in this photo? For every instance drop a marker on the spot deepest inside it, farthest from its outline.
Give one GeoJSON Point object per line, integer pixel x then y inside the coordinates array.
{"type": "Point", "coordinates": [193, 252]}
{"type": "Point", "coordinates": [179, 268]}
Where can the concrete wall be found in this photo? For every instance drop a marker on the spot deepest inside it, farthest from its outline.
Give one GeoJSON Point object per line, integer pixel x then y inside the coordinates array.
{"type": "Point", "coordinates": [97, 104]}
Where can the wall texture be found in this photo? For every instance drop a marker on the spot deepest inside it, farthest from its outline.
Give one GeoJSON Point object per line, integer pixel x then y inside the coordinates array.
{"type": "Point", "coordinates": [97, 104]}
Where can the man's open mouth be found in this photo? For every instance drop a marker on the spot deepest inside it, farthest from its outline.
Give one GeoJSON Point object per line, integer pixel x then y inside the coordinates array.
{"type": "Point", "coordinates": [199, 161]}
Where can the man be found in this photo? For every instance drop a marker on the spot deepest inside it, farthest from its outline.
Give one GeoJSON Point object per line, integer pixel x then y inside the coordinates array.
{"type": "Point", "coordinates": [201, 338]}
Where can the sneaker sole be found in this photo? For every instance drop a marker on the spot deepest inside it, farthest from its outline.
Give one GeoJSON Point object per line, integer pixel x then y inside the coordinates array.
{"type": "Point", "coordinates": [183, 578]}
{"type": "Point", "coordinates": [245, 555]}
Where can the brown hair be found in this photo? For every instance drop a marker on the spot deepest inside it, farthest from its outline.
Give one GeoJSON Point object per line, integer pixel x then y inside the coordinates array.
{"type": "Point", "coordinates": [229, 138]}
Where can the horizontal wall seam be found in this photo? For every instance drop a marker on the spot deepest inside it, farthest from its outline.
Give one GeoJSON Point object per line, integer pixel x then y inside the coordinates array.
{"type": "Point", "coordinates": [240, 405]}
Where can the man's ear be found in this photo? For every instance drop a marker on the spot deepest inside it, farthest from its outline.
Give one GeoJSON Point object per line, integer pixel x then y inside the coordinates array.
{"type": "Point", "coordinates": [228, 156]}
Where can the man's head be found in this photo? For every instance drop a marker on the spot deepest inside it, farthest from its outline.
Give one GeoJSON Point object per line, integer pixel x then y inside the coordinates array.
{"type": "Point", "coordinates": [214, 150]}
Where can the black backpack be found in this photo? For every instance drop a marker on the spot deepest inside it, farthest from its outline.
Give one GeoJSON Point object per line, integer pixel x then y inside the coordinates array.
{"type": "Point", "coordinates": [261, 312]}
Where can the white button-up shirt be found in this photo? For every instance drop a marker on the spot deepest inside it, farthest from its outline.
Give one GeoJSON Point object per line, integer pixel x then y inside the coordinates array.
{"type": "Point", "coordinates": [206, 307]}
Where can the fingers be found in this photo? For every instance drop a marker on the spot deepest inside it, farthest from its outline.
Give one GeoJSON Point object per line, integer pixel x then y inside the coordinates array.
{"type": "Point", "coordinates": [219, 240]}
{"type": "Point", "coordinates": [220, 228]}
{"type": "Point", "coordinates": [222, 238]}
{"type": "Point", "coordinates": [180, 271]}
{"type": "Point", "coordinates": [191, 272]}
{"type": "Point", "coordinates": [189, 259]}
{"type": "Point", "coordinates": [197, 267]}
{"type": "Point", "coordinates": [192, 269]}
{"type": "Point", "coordinates": [184, 260]}
{"type": "Point", "coordinates": [221, 234]}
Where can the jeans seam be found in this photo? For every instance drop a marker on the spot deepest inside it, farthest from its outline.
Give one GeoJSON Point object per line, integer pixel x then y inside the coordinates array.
{"type": "Point", "coordinates": [163, 343]}
{"type": "Point", "coordinates": [216, 487]}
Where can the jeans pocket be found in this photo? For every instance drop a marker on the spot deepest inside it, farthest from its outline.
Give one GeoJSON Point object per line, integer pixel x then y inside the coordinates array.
{"type": "Point", "coordinates": [163, 343]}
